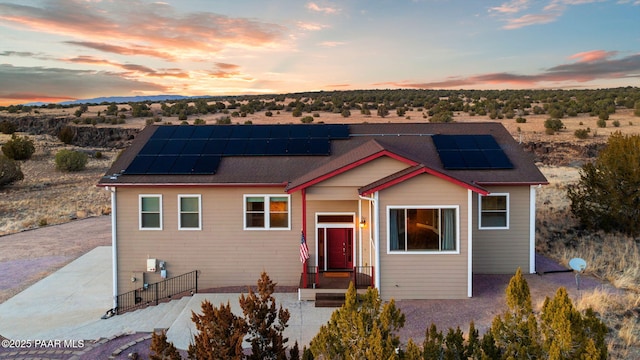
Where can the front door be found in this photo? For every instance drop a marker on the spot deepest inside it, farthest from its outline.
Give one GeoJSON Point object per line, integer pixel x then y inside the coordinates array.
{"type": "Point", "coordinates": [339, 248]}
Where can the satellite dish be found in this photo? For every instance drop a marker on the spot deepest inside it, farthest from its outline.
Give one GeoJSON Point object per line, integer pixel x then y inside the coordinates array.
{"type": "Point", "coordinates": [578, 264]}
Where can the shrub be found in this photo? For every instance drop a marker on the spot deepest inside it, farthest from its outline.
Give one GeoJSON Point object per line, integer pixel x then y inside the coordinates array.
{"type": "Point", "coordinates": [606, 196]}
{"type": "Point", "coordinates": [616, 123]}
{"type": "Point", "coordinates": [69, 160]}
{"type": "Point", "coordinates": [225, 120]}
{"type": "Point", "coordinates": [268, 113]}
{"type": "Point", "coordinates": [9, 171]}
{"type": "Point", "coordinates": [199, 122]}
{"type": "Point", "coordinates": [66, 134]}
{"type": "Point", "coordinates": [7, 127]}
{"type": "Point", "coordinates": [553, 124]}
{"type": "Point", "coordinates": [307, 120]}
{"type": "Point", "coordinates": [601, 123]}
{"type": "Point", "coordinates": [521, 120]}
{"type": "Point", "coordinates": [581, 133]}
{"type": "Point", "coordinates": [18, 148]}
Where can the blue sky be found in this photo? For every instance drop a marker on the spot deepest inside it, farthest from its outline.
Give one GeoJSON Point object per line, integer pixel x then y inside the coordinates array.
{"type": "Point", "coordinates": [56, 50]}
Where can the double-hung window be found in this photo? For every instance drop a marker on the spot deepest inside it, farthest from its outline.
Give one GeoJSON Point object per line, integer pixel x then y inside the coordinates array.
{"type": "Point", "coordinates": [190, 212]}
{"type": "Point", "coordinates": [423, 229]}
{"type": "Point", "coordinates": [150, 214]}
{"type": "Point", "coordinates": [267, 212]}
{"type": "Point", "coordinates": [494, 211]}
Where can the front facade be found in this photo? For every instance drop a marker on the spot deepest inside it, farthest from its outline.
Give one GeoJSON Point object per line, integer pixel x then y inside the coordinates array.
{"type": "Point", "coordinates": [396, 201]}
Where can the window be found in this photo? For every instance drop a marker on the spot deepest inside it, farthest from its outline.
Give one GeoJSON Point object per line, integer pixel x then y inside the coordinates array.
{"type": "Point", "coordinates": [189, 212]}
{"type": "Point", "coordinates": [423, 229]}
{"type": "Point", "coordinates": [266, 212]}
{"type": "Point", "coordinates": [150, 212]}
{"type": "Point", "coordinates": [494, 211]}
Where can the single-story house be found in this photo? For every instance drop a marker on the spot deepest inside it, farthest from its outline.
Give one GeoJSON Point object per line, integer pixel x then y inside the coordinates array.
{"type": "Point", "coordinates": [419, 207]}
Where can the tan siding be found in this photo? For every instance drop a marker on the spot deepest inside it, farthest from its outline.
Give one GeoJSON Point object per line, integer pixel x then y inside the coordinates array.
{"type": "Point", "coordinates": [424, 276]}
{"type": "Point", "coordinates": [366, 173]}
{"type": "Point", "coordinates": [224, 253]}
{"type": "Point", "coordinates": [503, 251]}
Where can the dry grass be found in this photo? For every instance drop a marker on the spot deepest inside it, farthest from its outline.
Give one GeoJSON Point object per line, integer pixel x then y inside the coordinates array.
{"type": "Point", "coordinates": [47, 196]}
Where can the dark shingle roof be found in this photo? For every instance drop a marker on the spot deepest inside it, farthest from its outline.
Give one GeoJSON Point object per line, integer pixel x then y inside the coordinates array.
{"type": "Point", "coordinates": [408, 142]}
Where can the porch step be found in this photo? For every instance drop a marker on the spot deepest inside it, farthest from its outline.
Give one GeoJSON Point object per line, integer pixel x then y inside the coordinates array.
{"type": "Point", "coordinates": [330, 299]}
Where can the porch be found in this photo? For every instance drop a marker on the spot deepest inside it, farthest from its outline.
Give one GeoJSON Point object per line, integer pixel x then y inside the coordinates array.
{"type": "Point", "coordinates": [334, 282]}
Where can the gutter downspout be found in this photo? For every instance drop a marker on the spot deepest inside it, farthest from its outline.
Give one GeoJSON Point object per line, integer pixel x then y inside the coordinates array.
{"type": "Point", "coordinates": [114, 245]}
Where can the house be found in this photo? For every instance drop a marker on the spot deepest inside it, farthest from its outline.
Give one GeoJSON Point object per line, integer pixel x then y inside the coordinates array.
{"type": "Point", "coordinates": [418, 207]}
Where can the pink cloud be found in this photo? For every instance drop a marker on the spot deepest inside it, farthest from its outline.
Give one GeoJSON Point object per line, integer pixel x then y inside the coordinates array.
{"type": "Point", "coordinates": [317, 8]}
{"type": "Point", "coordinates": [595, 55]}
{"type": "Point", "coordinates": [511, 7]}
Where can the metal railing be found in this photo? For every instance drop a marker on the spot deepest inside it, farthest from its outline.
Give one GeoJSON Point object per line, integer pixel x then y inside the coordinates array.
{"type": "Point", "coordinates": [363, 276]}
{"type": "Point", "coordinates": [313, 277]}
{"type": "Point", "coordinates": [153, 294]}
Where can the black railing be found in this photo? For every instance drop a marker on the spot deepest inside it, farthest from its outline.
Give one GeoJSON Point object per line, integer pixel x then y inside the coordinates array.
{"type": "Point", "coordinates": [363, 277]}
{"type": "Point", "coordinates": [313, 277]}
{"type": "Point", "coordinates": [153, 294]}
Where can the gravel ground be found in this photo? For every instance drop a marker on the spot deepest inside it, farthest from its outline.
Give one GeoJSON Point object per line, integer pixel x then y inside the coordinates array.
{"type": "Point", "coordinates": [45, 250]}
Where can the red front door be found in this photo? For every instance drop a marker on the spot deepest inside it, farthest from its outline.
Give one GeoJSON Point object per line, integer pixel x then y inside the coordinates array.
{"type": "Point", "coordinates": [339, 248]}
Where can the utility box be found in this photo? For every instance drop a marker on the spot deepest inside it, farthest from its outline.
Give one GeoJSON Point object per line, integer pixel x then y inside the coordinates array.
{"type": "Point", "coordinates": [151, 265]}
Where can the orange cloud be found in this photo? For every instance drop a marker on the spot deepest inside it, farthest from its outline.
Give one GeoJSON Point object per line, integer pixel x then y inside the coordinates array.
{"type": "Point", "coordinates": [10, 98]}
{"type": "Point", "coordinates": [133, 69]}
{"type": "Point", "coordinates": [157, 31]}
{"type": "Point", "coordinates": [595, 55]}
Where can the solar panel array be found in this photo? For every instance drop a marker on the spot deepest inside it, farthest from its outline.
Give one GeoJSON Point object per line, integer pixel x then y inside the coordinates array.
{"type": "Point", "coordinates": [470, 152]}
{"type": "Point", "coordinates": [198, 149]}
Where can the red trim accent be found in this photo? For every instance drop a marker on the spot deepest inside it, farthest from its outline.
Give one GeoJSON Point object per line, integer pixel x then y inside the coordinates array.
{"type": "Point", "coordinates": [304, 232]}
{"type": "Point", "coordinates": [351, 166]}
{"type": "Point", "coordinates": [424, 170]}
{"type": "Point", "coordinates": [513, 183]}
{"type": "Point", "coordinates": [192, 185]}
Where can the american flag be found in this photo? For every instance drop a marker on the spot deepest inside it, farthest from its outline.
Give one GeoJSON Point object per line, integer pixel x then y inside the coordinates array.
{"type": "Point", "coordinates": [304, 250]}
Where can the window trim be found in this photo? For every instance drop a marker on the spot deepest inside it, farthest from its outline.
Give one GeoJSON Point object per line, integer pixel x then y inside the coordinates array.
{"type": "Point", "coordinates": [423, 252]}
{"type": "Point", "coordinates": [140, 197]}
{"type": "Point", "coordinates": [180, 212]}
{"type": "Point", "coordinates": [267, 212]}
{"type": "Point", "coordinates": [507, 211]}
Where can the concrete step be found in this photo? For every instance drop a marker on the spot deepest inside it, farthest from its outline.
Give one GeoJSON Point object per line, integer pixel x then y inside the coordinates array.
{"type": "Point", "coordinates": [171, 314]}
{"type": "Point", "coordinates": [330, 299]}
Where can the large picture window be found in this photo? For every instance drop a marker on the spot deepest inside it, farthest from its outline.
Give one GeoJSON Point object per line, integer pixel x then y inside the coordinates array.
{"type": "Point", "coordinates": [150, 216]}
{"type": "Point", "coordinates": [494, 211]}
{"type": "Point", "coordinates": [423, 229]}
{"type": "Point", "coordinates": [189, 212]}
{"type": "Point", "coordinates": [266, 212]}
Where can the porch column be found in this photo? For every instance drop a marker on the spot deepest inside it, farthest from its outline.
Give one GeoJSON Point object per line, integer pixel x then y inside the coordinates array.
{"type": "Point", "coordinates": [304, 233]}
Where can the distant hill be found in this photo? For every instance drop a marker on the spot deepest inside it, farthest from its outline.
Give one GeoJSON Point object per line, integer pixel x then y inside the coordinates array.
{"type": "Point", "coordinates": [127, 99]}
{"type": "Point", "coordinates": [121, 99]}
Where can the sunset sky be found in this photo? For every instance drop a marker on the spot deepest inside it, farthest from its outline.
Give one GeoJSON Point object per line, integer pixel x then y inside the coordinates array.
{"type": "Point", "coordinates": [58, 50]}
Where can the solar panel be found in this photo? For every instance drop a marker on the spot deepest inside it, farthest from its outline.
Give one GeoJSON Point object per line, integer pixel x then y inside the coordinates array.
{"type": "Point", "coordinates": [298, 131]}
{"type": "Point", "coordinates": [184, 164]}
{"type": "Point", "coordinates": [153, 147]}
{"type": "Point", "coordinates": [256, 146]}
{"type": "Point", "coordinates": [194, 147]}
{"type": "Point", "coordinates": [162, 164]}
{"type": "Point", "coordinates": [198, 149]}
{"type": "Point", "coordinates": [276, 146]}
{"type": "Point", "coordinates": [298, 147]}
{"type": "Point", "coordinates": [173, 147]}
{"type": "Point", "coordinates": [202, 132]}
{"type": "Point", "coordinates": [240, 132]}
{"type": "Point", "coordinates": [338, 131]}
{"type": "Point", "coordinates": [235, 147]}
{"type": "Point", "coordinates": [319, 146]}
{"type": "Point", "coordinates": [183, 132]}
{"type": "Point", "coordinates": [206, 164]}
{"type": "Point", "coordinates": [470, 152]}
{"type": "Point", "coordinates": [139, 165]}
{"type": "Point", "coordinates": [164, 132]}
{"type": "Point", "coordinates": [214, 147]}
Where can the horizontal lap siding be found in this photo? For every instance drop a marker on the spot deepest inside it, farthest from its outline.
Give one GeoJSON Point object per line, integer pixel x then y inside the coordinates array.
{"type": "Point", "coordinates": [503, 251]}
{"type": "Point", "coordinates": [424, 276]}
{"type": "Point", "coordinates": [225, 254]}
